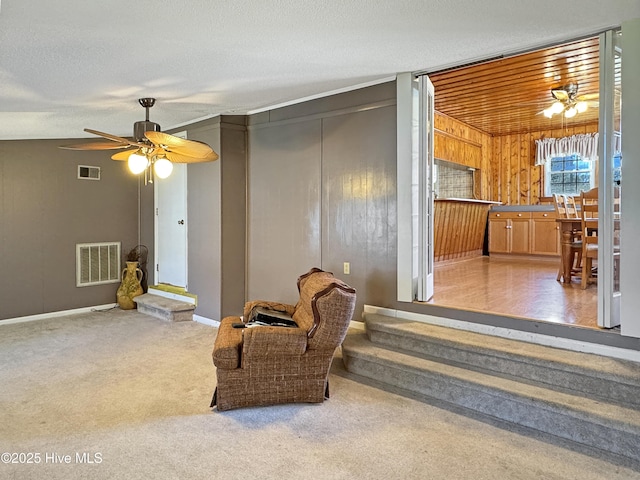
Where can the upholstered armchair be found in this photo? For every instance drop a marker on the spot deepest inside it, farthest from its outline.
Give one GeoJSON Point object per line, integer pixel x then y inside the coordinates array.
{"type": "Point", "coordinates": [266, 365]}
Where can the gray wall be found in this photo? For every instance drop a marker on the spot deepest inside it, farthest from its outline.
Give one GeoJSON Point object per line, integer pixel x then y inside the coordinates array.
{"type": "Point", "coordinates": [283, 208]}
{"type": "Point", "coordinates": [321, 177]}
{"type": "Point", "coordinates": [216, 198]}
{"type": "Point", "coordinates": [359, 223]}
{"type": "Point", "coordinates": [204, 224]}
{"type": "Point", "coordinates": [322, 191]}
{"type": "Point", "coordinates": [45, 211]}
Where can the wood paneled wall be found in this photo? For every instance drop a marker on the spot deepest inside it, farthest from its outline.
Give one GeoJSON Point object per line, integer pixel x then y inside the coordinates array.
{"type": "Point", "coordinates": [459, 229]}
{"type": "Point", "coordinates": [505, 164]}
{"type": "Point", "coordinates": [514, 179]}
{"type": "Point", "coordinates": [322, 191]}
{"type": "Point", "coordinates": [457, 142]}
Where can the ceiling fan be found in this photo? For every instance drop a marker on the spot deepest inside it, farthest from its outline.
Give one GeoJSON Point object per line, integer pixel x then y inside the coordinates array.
{"type": "Point", "coordinates": [568, 101]}
{"type": "Point", "coordinates": [153, 152]}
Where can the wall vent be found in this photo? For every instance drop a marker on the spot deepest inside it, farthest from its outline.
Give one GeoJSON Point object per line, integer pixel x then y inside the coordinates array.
{"type": "Point", "coordinates": [86, 172]}
{"type": "Point", "coordinates": [97, 263]}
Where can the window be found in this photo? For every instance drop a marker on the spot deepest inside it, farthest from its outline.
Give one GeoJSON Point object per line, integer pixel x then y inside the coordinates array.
{"type": "Point", "coordinates": [569, 175]}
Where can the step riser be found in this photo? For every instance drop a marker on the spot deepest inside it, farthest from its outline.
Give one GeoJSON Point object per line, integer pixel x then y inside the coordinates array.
{"type": "Point", "coordinates": [542, 372]}
{"type": "Point", "coordinates": [507, 406]}
{"type": "Point", "coordinates": [165, 308]}
{"type": "Point", "coordinates": [186, 316]}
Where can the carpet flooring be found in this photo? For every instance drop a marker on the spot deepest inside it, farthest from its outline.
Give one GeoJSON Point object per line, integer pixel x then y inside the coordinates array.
{"type": "Point", "coordinates": [119, 395]}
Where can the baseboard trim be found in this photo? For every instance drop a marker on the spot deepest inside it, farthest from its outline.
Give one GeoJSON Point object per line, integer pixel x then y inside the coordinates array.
{"type": "Point", "coordinates": [540, 339]}
{"type": "Point", "coordinates": [61, 313]}
{"type": "Point", "coordinates": [206, 321]}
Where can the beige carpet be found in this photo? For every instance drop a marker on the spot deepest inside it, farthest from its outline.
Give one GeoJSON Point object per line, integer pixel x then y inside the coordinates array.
{"type": "Point", "coordinates": [131, 393]}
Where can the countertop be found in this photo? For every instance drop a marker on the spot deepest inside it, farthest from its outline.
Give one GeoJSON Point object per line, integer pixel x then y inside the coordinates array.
{"type": "Point", "coordinates": [523, 208]}
{"type": "Point", "coordinates": [466, 200]}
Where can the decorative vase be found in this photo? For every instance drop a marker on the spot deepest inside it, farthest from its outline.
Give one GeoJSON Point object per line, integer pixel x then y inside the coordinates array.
{"type": "Point", "coordinates": [130, 286]}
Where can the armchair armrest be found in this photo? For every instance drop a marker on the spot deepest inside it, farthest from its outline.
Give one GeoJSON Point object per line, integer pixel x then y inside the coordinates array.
{"type": "Point", "coordinates": [250, 307]}
{"type": "Point", "coordinates": [263, 341]}
{"type": "Point", "coordinates": [226, 349]}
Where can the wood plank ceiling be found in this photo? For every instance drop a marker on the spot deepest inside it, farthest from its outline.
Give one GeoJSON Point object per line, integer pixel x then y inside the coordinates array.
{"type": "Point", "coordinates": [507, 96]}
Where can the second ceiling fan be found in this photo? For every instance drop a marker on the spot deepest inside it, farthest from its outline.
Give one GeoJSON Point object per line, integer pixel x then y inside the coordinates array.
{"type": "Point", "coordinates": [150, 150]}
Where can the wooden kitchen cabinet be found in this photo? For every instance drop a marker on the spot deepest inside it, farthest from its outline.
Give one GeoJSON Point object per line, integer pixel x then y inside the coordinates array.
{"type": "Point", "coordinates": [545, 239]}
{"type": "Point", "coordinates": [523, 233]}
{"type": "Point", "coordinates": [509, 232]}
{"type": "Point", "coordinates": [499, 234]}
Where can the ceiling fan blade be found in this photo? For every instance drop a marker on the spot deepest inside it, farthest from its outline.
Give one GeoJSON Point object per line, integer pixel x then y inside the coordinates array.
{"type": "Point", "coordinates": [124, 156]}
{"type": "Point", "coordinates": [588, 96]}
{"type": "Point", "coordinates": [198, 151]}
{"type": "Point", "coordinates": [95, 146]}
{"type": "Point", "coordinates": [560, 94]}
{"type": "Point", "coordinates": [115, 138]}
{"type": "Point", "coordinates": [178, 158]}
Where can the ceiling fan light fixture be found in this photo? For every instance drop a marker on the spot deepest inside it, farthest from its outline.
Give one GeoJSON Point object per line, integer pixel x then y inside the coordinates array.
{"type": "Point", "coordinates": [162, 167]}
{"type": "Point", "coordinates": [547, 112]}
{"type": "Point", "coordinates": [581, 107]}
{"type": "Point", "coordinates": [557, 107]}
{"type": "Point", "coordinates": [138, 162]}
{"type": "Point", "coordinates": [570, 112]}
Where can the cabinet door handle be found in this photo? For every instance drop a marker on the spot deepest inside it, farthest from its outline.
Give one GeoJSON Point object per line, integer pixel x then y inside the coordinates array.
{"type": "Point", "coordinates": [545, 214]}
{"type": "Point", "coordinates": [519, 214]}
{"type": "Point", "coordinates": [508, 226]}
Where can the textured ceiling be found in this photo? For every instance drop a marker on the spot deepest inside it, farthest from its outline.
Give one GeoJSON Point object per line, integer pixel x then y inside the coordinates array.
{"type": "Point", "coordinates": [70, 64]}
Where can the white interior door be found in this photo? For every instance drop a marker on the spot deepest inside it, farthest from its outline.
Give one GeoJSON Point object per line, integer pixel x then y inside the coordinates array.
{"type": "Point", "coordinates": [171, 227]}
{"type": "Point", "coordinates": [425, 190]}
{"type": "Point", "coordinates": [415, 113]}
{"type": "Point", "coordinates": [610, 129]}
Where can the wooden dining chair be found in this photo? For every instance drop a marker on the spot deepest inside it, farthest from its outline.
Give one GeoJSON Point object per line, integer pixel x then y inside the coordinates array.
{"type": "Point", "coordinates": [562, 206]}
{"type": "Point", "coordinates": [589, 223]}
{"type": "Point", "coordinates": [570, 207]}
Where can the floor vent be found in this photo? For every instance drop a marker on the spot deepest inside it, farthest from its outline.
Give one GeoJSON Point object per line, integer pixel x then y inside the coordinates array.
{"type": "Point", "coordinates": [86, 172]}
{"type": "Point", "coordinates": [97, 263]}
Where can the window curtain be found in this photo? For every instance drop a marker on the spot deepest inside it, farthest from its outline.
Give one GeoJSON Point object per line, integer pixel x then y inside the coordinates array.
{"type": "Point", "coordinates": [585, 145]}
{"type": "Point", "coordinates": [617, 143]}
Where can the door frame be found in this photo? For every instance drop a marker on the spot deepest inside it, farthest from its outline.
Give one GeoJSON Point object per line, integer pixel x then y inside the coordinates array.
{"type": "Point", "coordinates": [608, 298]}
{"type": "Point", "coordinates": [156, 239]}
{"type": "Point", "coordinates": [415, 262]}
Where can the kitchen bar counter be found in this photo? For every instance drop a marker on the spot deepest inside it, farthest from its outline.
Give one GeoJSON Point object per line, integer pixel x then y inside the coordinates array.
{"type": "Point", "coordinates": [459, 227]}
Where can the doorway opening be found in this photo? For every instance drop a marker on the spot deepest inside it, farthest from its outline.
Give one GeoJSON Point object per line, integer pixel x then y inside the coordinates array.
{"type": "Point", "coordinates": [488, 117]}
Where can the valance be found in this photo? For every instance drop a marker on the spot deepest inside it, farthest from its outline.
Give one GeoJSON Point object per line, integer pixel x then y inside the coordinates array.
{"type": "Point", "coordinates": [585, 145]}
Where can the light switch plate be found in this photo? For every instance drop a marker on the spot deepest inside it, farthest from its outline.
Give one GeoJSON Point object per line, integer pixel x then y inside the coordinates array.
{"type": "Point", "coordinates": [347, 268]}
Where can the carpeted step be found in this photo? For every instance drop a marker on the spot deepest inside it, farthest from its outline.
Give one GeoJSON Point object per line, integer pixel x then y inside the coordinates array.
{"type": "Point", "coordinates": [165, 308]}
{"type": "Point", "coordinates": [608, 427]}
{"type": "Point", "coordinates": [596, 376]}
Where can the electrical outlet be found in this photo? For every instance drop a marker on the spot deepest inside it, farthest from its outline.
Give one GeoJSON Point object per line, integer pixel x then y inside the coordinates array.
{"type": "Point", "coordinates": [347, 268]}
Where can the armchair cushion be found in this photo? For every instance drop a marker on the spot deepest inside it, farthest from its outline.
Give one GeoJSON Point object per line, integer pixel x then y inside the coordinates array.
{"type": "Point", "coordinates": [226, 349]}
